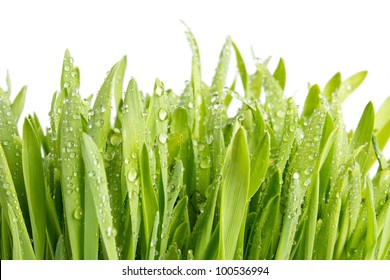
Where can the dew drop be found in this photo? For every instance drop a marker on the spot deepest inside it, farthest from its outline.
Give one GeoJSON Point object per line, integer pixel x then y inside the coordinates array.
{"type": "Point", "coordinates": [162, 114]}
{"type": "Point", "coordinates": [206, 163]}
{"type": "Point", "coordinates": [132, 175]}
{"type": "Point", "coordinates": [78, 213]}
{"type": "Point", "coordinates": [116, 139]}
{"type": "Point", "coordinates": [162, 137]}
{"type": "Point", "coordinates": [159, 91]}
{"type": "Point", "coordinates": [280, 114]}
{"type": "Point", "coordinates": [296, 176]}
{"type": "Point", "coordinates": [209, 139]}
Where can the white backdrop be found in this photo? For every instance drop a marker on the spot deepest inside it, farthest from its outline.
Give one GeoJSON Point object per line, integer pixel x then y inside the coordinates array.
{"type": "Point", "coordinates": [316, 39]}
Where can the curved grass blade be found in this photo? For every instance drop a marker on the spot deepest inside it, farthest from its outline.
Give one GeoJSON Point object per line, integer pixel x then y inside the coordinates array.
{"type": "Point", "coordinates": [280, 73]}
{"type": "Point", "coordinates": [349, 85]}
{"type": "Point", "coordinates": [234, 194]}
{"type": "Point", "coordinates": [241, 69]}
{"type": "Point", "coordinates": [12, 150]}
{"type": "Point", "coordinates": [18, 104]}
{"type": "Point", "coordinates": [99, 124]}
{"type": "Point", "coordinates": [11, 210]}
{"type": "Point", "coordinates": [219, 79]}
{"type": "Point", "coordinates": [259, 165]}
{"type": "Point", "coordinates": [35, 186]}
{"type": "Point", "coordinates": [96, 182]}
{"type": "Point", "coordinates": [363, 133]}
{"type": "Point", "coordinates": [332, 86]}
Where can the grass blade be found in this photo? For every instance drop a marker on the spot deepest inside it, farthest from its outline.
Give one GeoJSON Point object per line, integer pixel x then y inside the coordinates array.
{"type": "Point", "coordinates": [18, 104]}
{"type": "Point", "coordinates": [35, 187]}
{"type": "Point", "coordinates": [96, 181]}
{"type": "Point", "coordinates": [234, 193]}
{"type": "Point", "coordinates": [11, 210]}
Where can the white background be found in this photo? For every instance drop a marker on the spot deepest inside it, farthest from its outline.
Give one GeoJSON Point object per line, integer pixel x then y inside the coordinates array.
{"type": "Point", "coordinates": [316, 39]}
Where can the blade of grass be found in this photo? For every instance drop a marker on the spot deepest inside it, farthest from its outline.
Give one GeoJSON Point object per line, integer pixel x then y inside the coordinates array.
{"type": "Point", "coordinates": [22, 248]}
{"type": "Point", "coordinates": [96, 181]}
{"type": "Point", "coordinates": [234, 194]}
{"type": "Point", "coordinates": [35, 187]}
{"type": "Point", "coordinates": [18, 104]}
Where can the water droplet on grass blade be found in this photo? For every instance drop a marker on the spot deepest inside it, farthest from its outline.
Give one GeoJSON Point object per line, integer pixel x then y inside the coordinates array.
{"type": "Point", "coordinates": [132, 175]}
{"type": "Point", "coordinates": [162, 114]}
{"type": "Point", "coordinates": [78, 213]}
{"type": "Point", "coordinates": [162, 137]}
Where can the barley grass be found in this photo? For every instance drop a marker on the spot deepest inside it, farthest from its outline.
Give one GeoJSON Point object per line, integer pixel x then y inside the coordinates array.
{"type": "Point", "coordinates": [167, 176]}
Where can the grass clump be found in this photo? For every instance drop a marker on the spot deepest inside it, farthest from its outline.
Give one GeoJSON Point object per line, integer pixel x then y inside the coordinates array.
{"type": "Point", "coordinates": [166, 176]}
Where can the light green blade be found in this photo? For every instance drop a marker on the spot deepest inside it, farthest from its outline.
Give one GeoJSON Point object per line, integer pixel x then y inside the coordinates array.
{"type": "Point", "coordinates": [35, 187]}
{"type": "Point", "coordinates": [18, 104]}
{"type": "Point", "coordinates": [96, 181]}
{"type": "Point", "coordinates": [99, 124]}
{"type": "Point", "coordinates": [133, 135]}
{"type": "Point", "coordinates": [71, 172]}
{"type": "Point", "coordinates": [234, 194]}
{"type": "Point", "coordinates": [13, 214]}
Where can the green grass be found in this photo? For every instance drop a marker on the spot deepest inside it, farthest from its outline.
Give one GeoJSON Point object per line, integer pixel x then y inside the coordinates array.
{"type": "Point", "coordinates": [167, 176]}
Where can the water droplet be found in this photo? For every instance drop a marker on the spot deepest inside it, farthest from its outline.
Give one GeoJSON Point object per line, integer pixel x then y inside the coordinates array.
{"type": "Point", "coordinates": [296, 176]}
{"type": "Point", "coordinates": [307, 182]}
{"type": "Point", "coordinates": [116, 139]}
{"type": "Point", "coordinates": [91, 174]}
{"type": "Point", "coordinates": [209, 139]}
{"type": "Point", "coordinates": [5, 142]}
{"type": "Point", "coordinates": [78, 213]}
{"type": "Point", "coordinates": [206, 163]}
{"type": "Point", "coordinates": [200, 147]}
{"type": "Point", "coordinates": [159, 91]}
{"type": "Point", "coordinates": [66, 67]}
{"type": "Point", "coordinates": [127, 160]}
{"type": "Point", "coordinates": [162, 137]}
{"type": "Point", "coordinates": [191, 105]}
{"type": "Point", "coordinates": [162, 114]}
{"type": "Point", "coordinates": [132, 175]}
{"type": "Point", "coordinates": [309, 170]}
{"type": "Point", "coordinates": [72, 155]}
{"type": "Point", "coordinates": [280, 114]}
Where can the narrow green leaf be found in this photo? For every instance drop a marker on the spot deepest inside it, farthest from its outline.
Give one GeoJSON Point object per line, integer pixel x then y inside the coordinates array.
{"type": "Point", "coordinates": [35, 187]}
{"type": "Point", "coordinates": [349, 85]}
{"type": "Point", "coordinates": [241, 69]}
{"type": "Point", "coordinates": [372, 231]}
{"type": "Point", "coordinates": [132, 139]}
{"type": "Point", "coordinates": [259, 165]}
{"type": "Point", "coordinates": [96, 181]}
{"type": "Point", "coordinates": [13, 214]}
{"type": "Point", "coordinates": [234, 194]}
{"type": "Point", "coordinates": [18, 104]}
{"type": "Point", "coordinates": [363, 133]}
{"type": "Point", "coordinates": [71, 169]}
{"type": "Point", "coordinates": [280, 73]}
{"type": "Point", "coordinates": [223, 65]}
{"type": "Point", "coordinates": [149, 201]}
